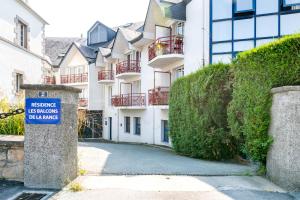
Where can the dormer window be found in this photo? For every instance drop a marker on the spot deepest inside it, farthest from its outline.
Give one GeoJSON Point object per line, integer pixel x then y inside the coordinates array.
{"type": "Point", "coordinates": [97, 35]}
{"type": "Point", "coordinates": [243, 8]}
{"type": "Point", "coordinates": [289, 5]}
{"type": "Point", "coordinates": [22, 32]}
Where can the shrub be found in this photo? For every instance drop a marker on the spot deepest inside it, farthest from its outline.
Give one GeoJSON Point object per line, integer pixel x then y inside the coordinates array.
{"type": "Point", "coordinates": [198, 114]}
{"type": "Point", "coordinates": [13, 125]}
{"type": "Point", "coordinates": [76, 187]}
{"type": "Point", "coordinates": [256, 72]}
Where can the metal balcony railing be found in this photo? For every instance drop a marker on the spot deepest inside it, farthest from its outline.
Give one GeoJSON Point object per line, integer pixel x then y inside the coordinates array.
{"type": "Point", "coordinates": [135, 99]}
{"type": "Point", "coordinates": [159, 96]}
{"type": "Point", "coordinates": [74, 78]}
{"type": "Point", "coordinates": [106, 75]}
{"type": "Point", "coordinates": [49, 80]}
{"type": "Point", "coordinates": [130, 66]}
{"type": "Point", "coordinates": [166, 45]}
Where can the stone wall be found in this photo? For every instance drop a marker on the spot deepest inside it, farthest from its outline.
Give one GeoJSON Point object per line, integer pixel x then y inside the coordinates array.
{"type": "Point", "coordinates": [12, 158]}
{"type": "Point", "coordinates": [283, 162]}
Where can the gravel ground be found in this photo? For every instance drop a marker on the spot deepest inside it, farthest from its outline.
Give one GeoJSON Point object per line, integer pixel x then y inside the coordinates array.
{"type": "Point", "coordinates": [129, 159]}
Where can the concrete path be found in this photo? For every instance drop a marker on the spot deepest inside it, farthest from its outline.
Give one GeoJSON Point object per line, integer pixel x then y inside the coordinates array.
{"type": "Point", "coordinates": [128, 159]}
{"type": "Point", "coordinates": [174, 188]}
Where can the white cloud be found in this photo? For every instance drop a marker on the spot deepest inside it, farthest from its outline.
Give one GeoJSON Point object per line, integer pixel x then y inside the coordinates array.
{"type": "Point", "coordinates": [71, 18]}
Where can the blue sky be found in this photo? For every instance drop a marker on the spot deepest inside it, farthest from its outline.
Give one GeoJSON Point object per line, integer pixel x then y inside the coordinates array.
{"type": "Point", "coordinates": [71, 18]}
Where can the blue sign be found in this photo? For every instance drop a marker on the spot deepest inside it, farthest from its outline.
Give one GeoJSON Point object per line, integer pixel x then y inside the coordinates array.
{"type": "Point", "coordinates": [43, 111]}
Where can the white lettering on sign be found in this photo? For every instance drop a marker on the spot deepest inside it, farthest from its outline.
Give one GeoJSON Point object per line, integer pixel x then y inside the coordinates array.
{"type": "Point", "coordinates": [43, 105]}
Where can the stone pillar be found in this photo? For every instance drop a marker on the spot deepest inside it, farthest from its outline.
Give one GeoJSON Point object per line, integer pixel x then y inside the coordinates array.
{"type": "Point", "coordinates": [283, 161]}
{"type": "Point", "coordinates": [50, 147]}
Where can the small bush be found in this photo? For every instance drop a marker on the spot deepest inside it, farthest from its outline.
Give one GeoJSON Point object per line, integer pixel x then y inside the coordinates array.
{"type": "Point", "coordinates": [13, 125]}
{"type": "Point", "coordinates": [256, 72]}
{"type": "Point", "coordinates": [76, 187]}
{"type": "Point", "coordinates": [198, 114]}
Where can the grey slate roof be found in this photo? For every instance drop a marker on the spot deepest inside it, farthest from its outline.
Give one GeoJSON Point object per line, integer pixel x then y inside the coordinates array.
{"type": "Point", "coordinates": [176, 11]}
{"type": "Point", "coordinates": [57, 47]}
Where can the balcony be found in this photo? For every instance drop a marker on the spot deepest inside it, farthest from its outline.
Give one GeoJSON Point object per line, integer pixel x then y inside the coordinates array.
{"type": "Point", "coordinates": [83, 102]}
{"type": "Point", "coordinates": [74, 79]}
{"type": "Point", "coordinates": [106, 77]}
{"type": "Point", "coordinates": [128, 69]}
{"type": "Point", "coordinates": [49, 80]}
{"type": "Point", "coordinates": [159, 96]}
{"type": "Point", "coordinates": [129, 101]}
{"type": "Point", "coordinates": [166, 51]}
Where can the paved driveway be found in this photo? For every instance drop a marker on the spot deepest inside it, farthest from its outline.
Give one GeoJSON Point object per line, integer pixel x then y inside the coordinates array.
{"type": "Point", "coordinates": [128, 159]}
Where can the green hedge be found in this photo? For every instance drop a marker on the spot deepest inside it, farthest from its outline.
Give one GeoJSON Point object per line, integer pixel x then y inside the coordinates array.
{"type": "Point", "coordinates": [256, 72]}
{"type": "Point", "coordinates": [198, 114]}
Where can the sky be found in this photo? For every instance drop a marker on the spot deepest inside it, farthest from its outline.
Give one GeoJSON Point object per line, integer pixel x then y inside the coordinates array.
{"type": "Point", "coordinates": [73, 18]}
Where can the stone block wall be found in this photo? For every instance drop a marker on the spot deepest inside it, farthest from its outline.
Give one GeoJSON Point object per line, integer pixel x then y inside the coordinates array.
{"type": "Point", "coordinates": [12, 158]}
{"type": "Point", "coordinates": [283, 161]}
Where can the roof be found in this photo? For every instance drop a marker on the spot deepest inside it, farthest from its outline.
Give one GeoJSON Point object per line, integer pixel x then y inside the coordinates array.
{"type": "Point", "coordinates": [176, 11]}
{"type": "Point", "coordinates": [57, 47]}
{"type": "Point", "coordinates": [137, 26]}
{"type": "Point", "coordinates": [26, 6]}
{"type": "Point", "coordinates": [88, 52]}
{"type": "Point", "coordinates": [129, 34]}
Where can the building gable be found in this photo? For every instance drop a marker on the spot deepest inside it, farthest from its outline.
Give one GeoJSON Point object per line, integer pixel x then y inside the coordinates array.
{"type": "Point", "coordinates": [99, 33]}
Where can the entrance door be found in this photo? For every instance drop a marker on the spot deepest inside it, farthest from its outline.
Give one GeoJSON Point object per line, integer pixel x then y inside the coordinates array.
{"type": "Point", "coordinates": [110, 128]}
{"type": "Point", "coordinates": [165, 131]}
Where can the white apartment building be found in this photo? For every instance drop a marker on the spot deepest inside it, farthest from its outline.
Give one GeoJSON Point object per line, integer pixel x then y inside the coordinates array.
{"type": "Point", "coordinates": [136, 68]}
{"type": "Point", "coordinates": [22, 57]}
{"type": "Point", "coordinates": [137, 73]}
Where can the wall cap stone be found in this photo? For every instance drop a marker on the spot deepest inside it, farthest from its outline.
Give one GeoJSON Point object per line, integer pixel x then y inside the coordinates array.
{"type": "Point", "coordinates": [285, 89]}
{"type": "Point", "coordinates": [11, 140]}
{"type": "Point", "coordinates": [50, 87]}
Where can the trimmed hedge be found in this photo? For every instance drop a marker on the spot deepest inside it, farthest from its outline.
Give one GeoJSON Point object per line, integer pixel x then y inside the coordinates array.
{"type": "Point", "coordinates": [256, 72]}
{"type": "Point", "coordinates": [198, 114]}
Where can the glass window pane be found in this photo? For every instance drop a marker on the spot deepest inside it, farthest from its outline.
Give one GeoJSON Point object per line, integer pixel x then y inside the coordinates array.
{"type": "Point", "coordinates": [292, 2]}
{"type": "Point", "coordinates": [224, 58]}
{"type": "Point", "coordinates": [290, 24]}
{"type": "Point", "coordinates": [262, 42]}
{"type": "Point", "coordinates": [244, 29]}
{"type": "Point", "coordinates": [266, 6]}
{"type": "Point", "coordinates": [267, 26]}
{"type": "Point", "coordinates": [222, 47]}
{"type": "Point", "coordinates": [243, 45]}
{"type": "Point", "coordinates": [243, 5]}
{"type": "Point", "coordinates": [222, 31]}
{"type": "Point", "coordinates": [222, 9]}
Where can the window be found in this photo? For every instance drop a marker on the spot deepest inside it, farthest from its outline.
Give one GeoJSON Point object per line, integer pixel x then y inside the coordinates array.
{"type": "Point", "coordinates": [180, 29]}
{"type": "Point", "coordinates": [19, 82]}
{"type": "Point", "coordinates": [287, 5]}
{"type": "Point", "coordinates": [127, 124]}
{"type": "Point", "coordinates": [165, 131]}
{"type": "Point", "coordinates": [22, 34]}
{"type": "Point", "coordinates": [137, 125]}
{"type": "Point", "coordinates": [179, 72]}
{"type": "Point", "coordinates": [243, 7]}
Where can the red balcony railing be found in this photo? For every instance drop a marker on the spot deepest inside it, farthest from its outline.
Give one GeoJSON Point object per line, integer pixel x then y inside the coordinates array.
{"type": "Point", "coordinates": [106, 75]}
{"type": "Point", "coordinates": [159, 96]}
{"type": "Point", "coordinates": [83, 102]}
{"type": "Point", "coordinates": [49, 80]}
{"type": "Point", "coordinates": [166, 45]}
{"type": "Point", "coordinates": [132, 66]}
{"type": "Point", "coordinates": [135, 99]}
{"type": "Point", "coordinates": [74, 78]}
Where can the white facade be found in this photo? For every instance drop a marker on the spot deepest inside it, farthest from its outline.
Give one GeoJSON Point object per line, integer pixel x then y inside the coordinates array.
{"type": "Point", "coordinates": [196, 42]}
{"type": "Point", "coordinates": [21, 48]}
{"type": "Point", "coordinates": [156, 74]}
